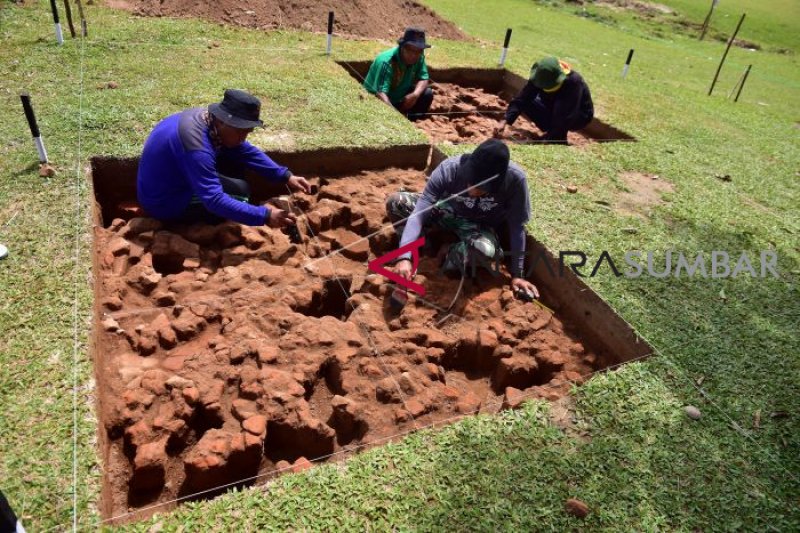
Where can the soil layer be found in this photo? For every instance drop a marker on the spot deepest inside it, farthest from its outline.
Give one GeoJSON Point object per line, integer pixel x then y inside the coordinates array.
{"type": "Point", "coordinates": [381, 19]}
{"type": "Point", "coordinates": [227, 352]}
{"type": "Point", "coordinates": [469, 114]}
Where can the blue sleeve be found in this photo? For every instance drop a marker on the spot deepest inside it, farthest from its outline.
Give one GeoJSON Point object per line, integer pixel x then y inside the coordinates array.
{"type": "Point", "coordinates": [254, 158]}
{"type": "Point", "coordinates": [201, 168]}
{"type": "Point", "coordinates": [422, 210]}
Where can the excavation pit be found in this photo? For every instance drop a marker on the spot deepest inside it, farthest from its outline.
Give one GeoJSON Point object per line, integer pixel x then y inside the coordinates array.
{"type": "Point", "coordinates": [468, 103]}
{"type": "Point", "coordinates": [248, 355]}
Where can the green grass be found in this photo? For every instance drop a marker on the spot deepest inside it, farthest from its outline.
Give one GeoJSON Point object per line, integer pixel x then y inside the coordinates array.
{"type": "Point", "coordinates": [645, 466]}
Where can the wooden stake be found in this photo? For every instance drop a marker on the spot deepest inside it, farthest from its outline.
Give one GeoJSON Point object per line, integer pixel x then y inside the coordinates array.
{"type": "Point", "coordinates": [727, 48]}
{"type": "Point", "coordinates": [707, 22]}
{"type": "Point", "coordinates": [68, 11]}
{"type": "Point", "coordinates": [746, 73]}
{"type": "Point", "coordinates": [83, 19]}
{"type": "Point", "coordinates": [736, 86]}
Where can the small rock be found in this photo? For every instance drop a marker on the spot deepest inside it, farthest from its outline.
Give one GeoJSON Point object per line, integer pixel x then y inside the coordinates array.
{"type": "Point", "coordinates": [257, 425]}
{"type": "Point", "coordinates": [513, 398]}
{"type": "Point", "coordinates": [301, 464]}
{"type": "Point", "coordinates": [191, 395]}
{"type": "Point", "coordinates": [173, 363]}
{"type": "Point", "coordinates": [576, 508]}
{"type": "Point", "coordinates": [113, 303]}
{"type": "Point", "coordinates": [109, 324]}
{"type": "Point", "coordinates": [244, 409]}
{"type": "Point", "coordinates": [692, 412]}
{"type": "Point", "coordinates": [178, 382]}
{"type": "Point", "coordinates": [164, 298]}
{"type": "Point", "coordinates": [572, 189]}
{"type": "Point", "coordinates": [46, 170]}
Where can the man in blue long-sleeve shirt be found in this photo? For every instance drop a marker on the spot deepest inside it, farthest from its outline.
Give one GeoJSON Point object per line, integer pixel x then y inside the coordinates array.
{"type": "Point", "coordinates": [179, 173]}
{"type": "Point", "coordinates": [472, 195]}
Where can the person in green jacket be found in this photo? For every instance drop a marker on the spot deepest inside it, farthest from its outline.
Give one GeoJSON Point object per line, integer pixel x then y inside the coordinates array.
{"type": "Point", "coordinates": [399, 76]}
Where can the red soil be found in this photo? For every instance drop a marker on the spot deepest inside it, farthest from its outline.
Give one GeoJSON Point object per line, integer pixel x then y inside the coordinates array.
{"type": "Point", "coordinates": [381, 19]}
{"type": "Point", "coordinates": [225, 352]}
{"type": "Point", "coordinates": [469, 114]}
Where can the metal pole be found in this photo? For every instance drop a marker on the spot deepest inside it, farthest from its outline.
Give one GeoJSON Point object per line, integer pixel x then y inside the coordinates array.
{"type": "Point", "coordinates": [59, 34]}
{"type": "Point", "coordinates": [330, 32]}
{"type": "Point", "coordinates": [746, 73]}
{"type": "Point", "coordinates": [34, 127]}
{"type": "Point", "coordinates": [504, 53]}
{"type": "Point", "coordinates": [727, 48]}
{"type": "Point", "coordinates": [627, 64]}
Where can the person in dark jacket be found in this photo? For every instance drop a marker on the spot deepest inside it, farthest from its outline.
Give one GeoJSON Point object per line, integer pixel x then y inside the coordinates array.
{"type": "Point", "coordinates": [556, 99]}
{"type": "Point", "coordinates": [472, 195]}
{"type": "Point", "coordinates": [180, 175]}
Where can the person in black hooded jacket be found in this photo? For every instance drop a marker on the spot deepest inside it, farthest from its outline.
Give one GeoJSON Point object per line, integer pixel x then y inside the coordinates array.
{"type": "Point", "coordinates": [556, 99]}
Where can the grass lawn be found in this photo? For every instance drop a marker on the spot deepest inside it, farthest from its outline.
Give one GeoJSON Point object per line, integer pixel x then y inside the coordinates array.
{"type": "Point", "coordinates": [728, 346]}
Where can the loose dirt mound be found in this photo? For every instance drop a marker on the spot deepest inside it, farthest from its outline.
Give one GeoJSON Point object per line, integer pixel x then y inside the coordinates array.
{"type": "Point", "coordinates": [469, 114]}
{"type": "Point", "coordinates": [645, 192]}
{"type": "Point", "coordinates": [382, 19]}
{"type": "Point", "coordinates": [226, 351]}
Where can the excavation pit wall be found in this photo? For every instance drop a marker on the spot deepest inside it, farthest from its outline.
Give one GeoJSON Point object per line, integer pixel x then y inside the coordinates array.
{"type": "Point", "coordinates": [468, 103]}
{"type": "Point", "coordinates": [227, 353]}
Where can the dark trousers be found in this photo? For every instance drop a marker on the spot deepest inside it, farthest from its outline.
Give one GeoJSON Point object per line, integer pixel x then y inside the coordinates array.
{"type": "Point", "coordinates": [555, 128]}
{"type": "Point", "coordinates": [197, 212]}
{"type": "Point", "coordinates": [422, 105]}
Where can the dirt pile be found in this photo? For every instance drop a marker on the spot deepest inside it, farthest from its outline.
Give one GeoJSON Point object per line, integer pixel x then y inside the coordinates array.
{"type": "Point", "coordinates": [469, 115]}
{"type": "Point", "coordinates": [227, 352]}
{"type": "Point", "coordinates": [380, 19]}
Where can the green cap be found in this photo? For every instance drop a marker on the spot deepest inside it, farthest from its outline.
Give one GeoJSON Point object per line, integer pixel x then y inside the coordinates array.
{"type": "Point", "coordinates": [547, 73]}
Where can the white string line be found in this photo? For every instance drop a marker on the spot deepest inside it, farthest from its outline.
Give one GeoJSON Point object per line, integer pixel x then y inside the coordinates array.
{"type": "Point", "coordinates": [345, 36]}
{"type": "Point", "coordinates": [402, 220]}
{"type": "Point", "coordinates": [491, 402]}
{"type": "Point", "coordinates": [466, 319]}
{"type": "Point", "coordinates": [354, 309]}
{"type": "Point", "coordinates": [373, 349]}
{"type": "Point", "coordinates": [78, 232]}
{"type": "Point", "coordinates": [511, 138]}
{"type": "Point", "coordinates": [494, 402]}
{"type": "Point", "coordinates": [10, 220]}
{"type": "Point", "coordinates": [733, 424]}
{"type": "Point", "coordinates": [76, 260]}
{"type": "Point", "coordinates": [213, 44]}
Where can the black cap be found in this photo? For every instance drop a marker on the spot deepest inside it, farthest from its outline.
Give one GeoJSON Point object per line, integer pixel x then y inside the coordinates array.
{"type": "Point", "coordinates": [489, 159]}
{"type": "Point", "coordinates": [238, 109]}
{"type": "Point", "coordinates": [414, 37]}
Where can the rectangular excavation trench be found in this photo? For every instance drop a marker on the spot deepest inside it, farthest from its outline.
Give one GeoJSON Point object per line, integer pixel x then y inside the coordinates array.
{"type": "Point", "coordinates": [224, 353]}
{"type": "Point", "coordinates": [468, 102]}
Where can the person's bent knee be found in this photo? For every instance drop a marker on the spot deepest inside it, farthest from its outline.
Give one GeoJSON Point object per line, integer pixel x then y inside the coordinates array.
{"type": "Point", "coordinates": [235, 186]}
{"type": "Point", "coordinates": [485, 247]}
